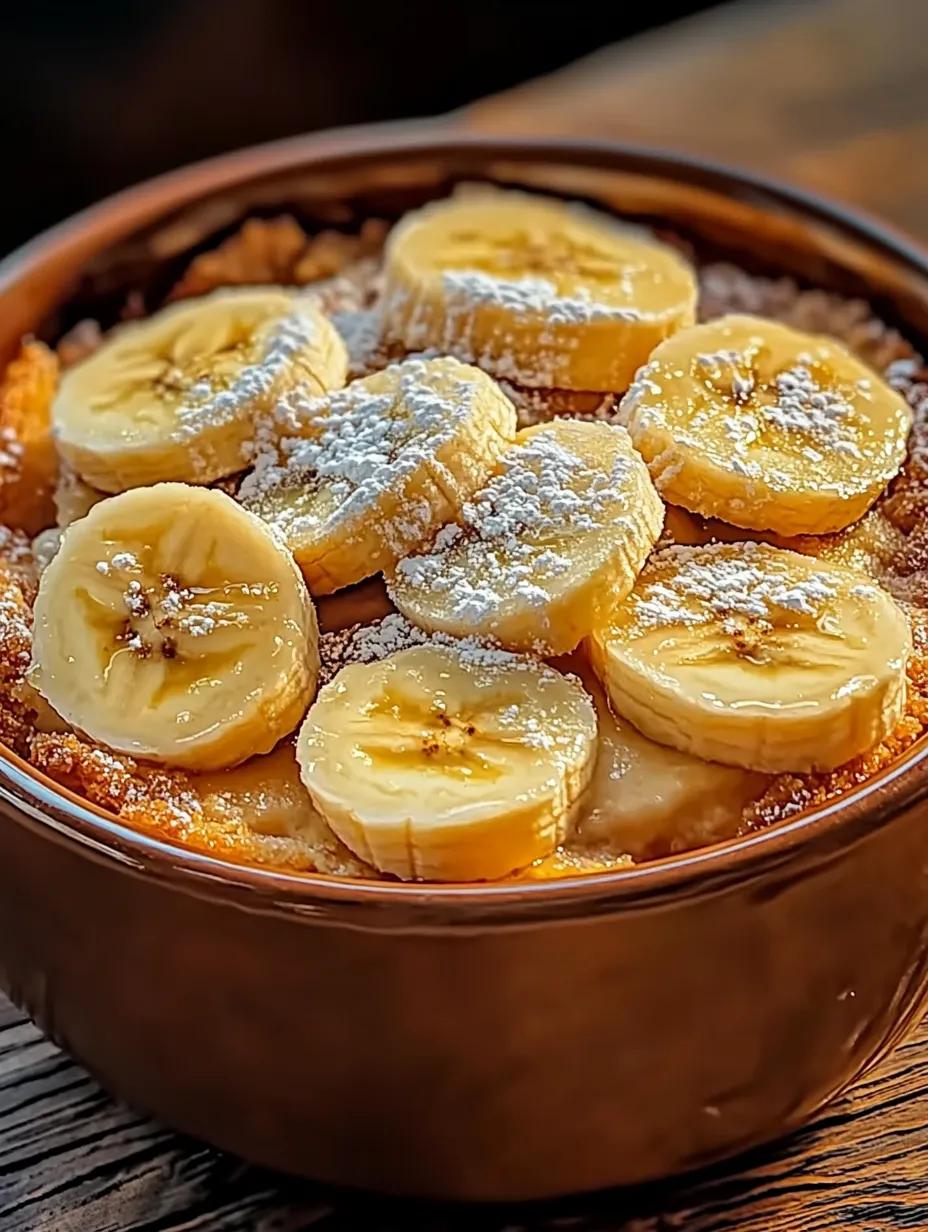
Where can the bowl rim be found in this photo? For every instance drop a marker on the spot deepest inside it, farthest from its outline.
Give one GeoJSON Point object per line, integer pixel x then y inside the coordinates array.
{"type": "Point", "coordinates": [815, 835]}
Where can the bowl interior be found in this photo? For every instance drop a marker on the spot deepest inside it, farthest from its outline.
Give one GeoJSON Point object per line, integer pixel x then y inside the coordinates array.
{"type": "Point", "coordinates": [140, 243]}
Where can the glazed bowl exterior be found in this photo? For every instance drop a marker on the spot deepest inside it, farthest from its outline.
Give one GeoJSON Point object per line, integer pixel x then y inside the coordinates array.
{"type": "Point", "coordinates": [475, 1042]}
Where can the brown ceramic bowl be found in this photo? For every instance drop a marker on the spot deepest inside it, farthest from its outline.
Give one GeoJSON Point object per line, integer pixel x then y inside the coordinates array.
{"type": "Point", "coordinates": [479, 1042]}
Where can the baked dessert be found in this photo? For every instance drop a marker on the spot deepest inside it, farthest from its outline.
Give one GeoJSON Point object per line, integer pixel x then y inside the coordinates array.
{"type": "Point", "coordinates": [510, 542]}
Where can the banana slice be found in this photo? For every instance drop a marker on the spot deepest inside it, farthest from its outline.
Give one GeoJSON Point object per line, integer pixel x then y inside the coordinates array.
{"type": "Point", "coordinates": [448, 763]}
{"type": "Point", "coordinates": [872, 545]}
{"type": "Point", "coordinates": [175, 397]}
{"type": "Point", "coordinates": [563, 527]}
{"type": "Point", "coordinates": [172, 626]}
{"type": "Point", "coordinates": [766, 428]}
{"type": "Point", "coordinates": [647, 800]}
{"type": "Point", "coordinates": [535, 290]}
{"type": "Point", "coordinates": [752, 656]}
{"type": "Point", "coordinates": [372, 471]}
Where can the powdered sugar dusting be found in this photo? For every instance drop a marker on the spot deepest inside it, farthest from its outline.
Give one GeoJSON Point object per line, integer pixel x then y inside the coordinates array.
{"type": "Point", "coordinates": [360, 332]}
{"type": "Point", "coordinates": [803, 405]}
{"type": "Point", "coordinates": [542, 491]}
{"type": "Point", "coordinates": [361, 442]}
{"type": "Point", "coordinates": [710, 583]}
{"type": "Point", "coordinates": [371, 643]}
{"type": "Point", "coordinates": [532, 296]}
{"type": "Point", "coordinates": [214, 402]}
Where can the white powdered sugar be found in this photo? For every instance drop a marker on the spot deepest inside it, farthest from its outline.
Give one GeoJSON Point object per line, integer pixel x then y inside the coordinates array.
{"type": "Point", "coordinates": [135, 599]}
{"type": "Point", "coordinates": [371, 643]}
{"type": "Point", "coordinates": [11, 449]}
{"type": "Point", "coordinates": [122, 562]}
{"type": "Point", "coordinates": [361, 441]}
{"type": "Point", "coordinates": [536, 297]}
{"type": "Point", "coordinates": [197, 624]}
{"type": "Point", "coordinates": [810, 418]}
{"type": "Point", "coordinates": [161, 609]}
{"type": "Point", "coordinates": [206, 403]}
{"type": "Point", "coordinates": [707, 584]}
{"type": "Point", "coordinates": [542, 487]}
{"type": "Point", "coordinates": [804, 406]}
{"type": "Point", "coordinates": [496, 551]}
{"type": "Point", "coordinates": [742, 383]}
{"type": "Point", "coordinates": [360, 331]}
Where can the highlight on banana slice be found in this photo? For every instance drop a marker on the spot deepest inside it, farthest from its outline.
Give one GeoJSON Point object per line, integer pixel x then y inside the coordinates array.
{"type": "Point", "coordinates": [449, 763]}
{"type": "Point", "coordinates": [562, 528]}
{"type": "Point", "coordinates": [753, 656]}
{"type": "Point", "coordinates": [647, 800]}
{"type": "Point", "coordinates": [765, 427]}
{"type": "Point", "coordinates": [534, 290]}
{"type": "Point", "coordinates": [173, 626]}
{"type": "Point", "coordinates": [176, 396]}
{"type": "Point", "coordinates": [366, 474]}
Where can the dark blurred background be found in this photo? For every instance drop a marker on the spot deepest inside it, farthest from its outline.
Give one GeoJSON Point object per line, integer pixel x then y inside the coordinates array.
{"type": "Point", "coordinates": [96, 94]}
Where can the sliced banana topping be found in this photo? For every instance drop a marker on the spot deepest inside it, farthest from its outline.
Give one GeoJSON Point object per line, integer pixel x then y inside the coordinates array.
{"type": "Point", "coordinates": [563, 527]}
{"type": "Point", "coordinates": [172, 626]}
{"type": "Point", "coordinates": [534, 290]}
{"type": "Point", "coordinates": [449, 764]}
{"type": "Point", "coordinates": [367, 474]}
{"type": "Point", "coordinates": [752, 656]}
{"type": "Point", "coordinates": [766, 428]}
{"type": "Point", "coordinates": [871, 545]}
{"type": "Point", "coordinates": [175, 396]}
{"type": "Point", "coordinates": [647, 800]}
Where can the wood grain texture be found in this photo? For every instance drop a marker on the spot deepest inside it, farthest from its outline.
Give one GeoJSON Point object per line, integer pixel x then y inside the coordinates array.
{"type": "Point", "coordinates": [832, 94]}
{"type": "Point", "coordinates": [74, 1160]}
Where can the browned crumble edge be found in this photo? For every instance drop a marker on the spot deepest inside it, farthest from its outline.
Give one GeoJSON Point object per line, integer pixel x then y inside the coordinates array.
{"type": "Point", "coordinates": [345, 273]}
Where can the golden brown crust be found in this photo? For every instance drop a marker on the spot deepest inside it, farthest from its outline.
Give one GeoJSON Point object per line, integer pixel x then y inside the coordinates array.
{"type": "Point", "coordinates": [277, 251]}
{"type": "Point", "coordinates": [181, 808]}
{"type": "Point", "coordinates": [17, 715]}
{"type": "Point", "coordinates": [28, 459]}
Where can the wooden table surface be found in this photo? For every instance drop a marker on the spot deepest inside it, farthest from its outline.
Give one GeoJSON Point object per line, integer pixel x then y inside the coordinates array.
{"type": "Point", "coordinates": [831, 93]}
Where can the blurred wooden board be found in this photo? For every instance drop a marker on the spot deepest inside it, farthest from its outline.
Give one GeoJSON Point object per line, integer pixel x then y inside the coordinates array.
{"type": "Point", "coordinates": [832, 94]}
